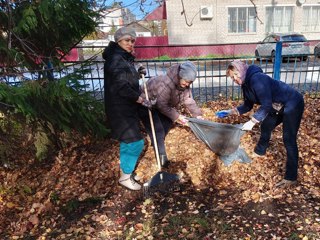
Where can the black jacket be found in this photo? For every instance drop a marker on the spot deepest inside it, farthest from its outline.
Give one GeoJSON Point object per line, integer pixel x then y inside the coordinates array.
{"type": "Point", "coordinates": [121, 91]}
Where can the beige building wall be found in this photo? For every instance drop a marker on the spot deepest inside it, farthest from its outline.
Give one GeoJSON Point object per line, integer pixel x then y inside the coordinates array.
{"type": "Point", "coordinates": [185, 25]}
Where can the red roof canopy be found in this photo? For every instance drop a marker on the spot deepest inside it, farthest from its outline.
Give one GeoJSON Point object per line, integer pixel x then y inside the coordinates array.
{"type": "Point", "coordinates": [160, 13]}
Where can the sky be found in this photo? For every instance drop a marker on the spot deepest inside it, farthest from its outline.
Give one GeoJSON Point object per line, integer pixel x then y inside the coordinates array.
{"type": "Point", "coordinates": [146, 5]}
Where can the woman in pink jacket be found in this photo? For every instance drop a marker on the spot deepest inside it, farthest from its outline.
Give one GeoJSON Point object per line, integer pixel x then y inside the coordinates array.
{"type": "Point", "coordinates": [170, 92]}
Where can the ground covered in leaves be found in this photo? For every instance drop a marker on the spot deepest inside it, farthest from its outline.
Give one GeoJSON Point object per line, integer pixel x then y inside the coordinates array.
{"type": "Point", "coordinates": [76, 195]}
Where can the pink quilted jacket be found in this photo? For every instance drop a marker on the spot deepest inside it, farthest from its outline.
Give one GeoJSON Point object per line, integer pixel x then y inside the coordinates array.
{"type": "Point", "coordinates": [168, 97]}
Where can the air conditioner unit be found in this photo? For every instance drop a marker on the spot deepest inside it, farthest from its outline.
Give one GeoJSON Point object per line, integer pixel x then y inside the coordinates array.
{"type": "Point", "coordinates": [206, 12]}
{"type": "Point", "coordinates": [300, 2]}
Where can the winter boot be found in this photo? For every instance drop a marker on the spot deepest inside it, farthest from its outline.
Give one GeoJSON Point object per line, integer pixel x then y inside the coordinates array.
{"type": "Point", "coordinates": [164, 161]}
{"type": "Point", "coordinates": [127, 180]}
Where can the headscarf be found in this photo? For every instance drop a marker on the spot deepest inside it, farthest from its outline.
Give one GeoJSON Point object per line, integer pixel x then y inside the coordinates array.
{"type": "Point", "coordinates": [241, 68]}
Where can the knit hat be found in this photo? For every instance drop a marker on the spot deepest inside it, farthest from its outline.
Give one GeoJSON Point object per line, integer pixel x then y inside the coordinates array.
{"type": "Point", "coordinates": [188, 71]}
{"type": "Point", "coordinates": [124, 32]}
{"type": "Point", "coordinates": [241, 67]}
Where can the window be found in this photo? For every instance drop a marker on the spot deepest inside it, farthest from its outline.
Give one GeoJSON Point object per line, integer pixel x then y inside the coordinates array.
{"type": "Point", "coordinates": [241, 20]}
{"type": "Point", "coordinates": [279, 19]}
{"type": "Point", "coordinates": [311, 18]}
{"type": "Point", "coordinates": [271, 39]}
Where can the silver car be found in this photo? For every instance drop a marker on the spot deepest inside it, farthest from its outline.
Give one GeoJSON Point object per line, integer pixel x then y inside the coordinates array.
{"type": "Point", "coordinates": [293, 45]}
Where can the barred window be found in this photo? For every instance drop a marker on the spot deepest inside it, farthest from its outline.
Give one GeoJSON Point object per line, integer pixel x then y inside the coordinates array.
{"type": "Point", "coordinates": [242, 19]}
{"type": "Point", "coordinates": [279, 19]}
{"type": "Point", "coordinates": [311, 18]}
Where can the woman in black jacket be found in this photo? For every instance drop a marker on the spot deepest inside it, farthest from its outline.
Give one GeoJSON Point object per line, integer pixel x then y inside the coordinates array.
{"type": "Point", "coordinates": [122, 100]}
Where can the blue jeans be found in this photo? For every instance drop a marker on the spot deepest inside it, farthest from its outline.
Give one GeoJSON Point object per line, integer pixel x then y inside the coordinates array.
{"type": "Point", "coordinates": [290, 116]}
{"type": "Point", "coordinates": [129, 155]}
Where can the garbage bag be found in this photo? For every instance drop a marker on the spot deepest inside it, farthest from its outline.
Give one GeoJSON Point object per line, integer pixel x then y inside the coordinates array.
{"type": "Point", "coordinates": [223, 139]}
{"type": "Point", "coordinates": [239, 155]}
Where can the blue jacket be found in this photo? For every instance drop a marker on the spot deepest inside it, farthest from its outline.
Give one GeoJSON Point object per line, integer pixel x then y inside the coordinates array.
{"type": "Point", "coordinates": [259, 88]}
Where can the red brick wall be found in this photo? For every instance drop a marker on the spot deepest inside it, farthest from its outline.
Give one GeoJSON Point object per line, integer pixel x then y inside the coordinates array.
{"type": "Point", "coordinates": [154, 47]}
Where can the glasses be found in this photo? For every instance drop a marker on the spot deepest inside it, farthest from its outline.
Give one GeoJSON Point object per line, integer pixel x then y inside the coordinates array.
{"type": "Point", "coordinates": [129, 40]}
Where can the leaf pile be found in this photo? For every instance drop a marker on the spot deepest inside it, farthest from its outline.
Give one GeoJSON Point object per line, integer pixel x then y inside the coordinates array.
{"type": "Point", "coordinates": [76, 195]}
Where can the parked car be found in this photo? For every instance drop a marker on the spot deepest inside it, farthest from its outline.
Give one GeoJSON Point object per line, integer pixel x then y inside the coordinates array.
{"type": "Point", "coordinates": [317, 50]}
{"type": "Point", "coordinates": [293, 45]}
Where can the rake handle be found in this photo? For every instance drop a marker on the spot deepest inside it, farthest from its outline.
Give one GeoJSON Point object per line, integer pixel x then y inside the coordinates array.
{"type": "Point", "coordinates": [152, 125]}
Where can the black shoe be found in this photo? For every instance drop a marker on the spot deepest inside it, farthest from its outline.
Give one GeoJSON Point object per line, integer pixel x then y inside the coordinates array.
{"type": "Point", "coordinates": [164, 161]}
{"type": "Point", "coordinates": [260, 151]}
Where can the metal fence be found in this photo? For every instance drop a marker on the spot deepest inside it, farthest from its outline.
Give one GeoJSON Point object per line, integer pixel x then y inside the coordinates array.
{"type": "Point", "coordinates": [211, 82]}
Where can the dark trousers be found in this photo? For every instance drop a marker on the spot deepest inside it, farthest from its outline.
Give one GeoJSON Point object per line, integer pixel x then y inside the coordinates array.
{"type": "Point", "coordinates": [290, 116]}
{"type": "Point", "coordinates": [162, 125]}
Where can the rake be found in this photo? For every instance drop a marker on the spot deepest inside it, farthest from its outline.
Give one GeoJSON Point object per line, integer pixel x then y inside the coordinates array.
{"type": "Point", "coordinates": [162, 181]}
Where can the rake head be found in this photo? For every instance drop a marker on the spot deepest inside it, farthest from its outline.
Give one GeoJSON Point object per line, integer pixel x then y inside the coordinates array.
{"type": "Point", "coordinates": [161, 182]}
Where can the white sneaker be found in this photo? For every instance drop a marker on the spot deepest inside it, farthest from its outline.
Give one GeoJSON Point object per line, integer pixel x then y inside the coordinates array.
{"type": "Point", "coordinates": [136, 177]}
{"type": "Point", "coordinates": [127, 180]}
{"type": "Point", "coordinates": [284, 183]}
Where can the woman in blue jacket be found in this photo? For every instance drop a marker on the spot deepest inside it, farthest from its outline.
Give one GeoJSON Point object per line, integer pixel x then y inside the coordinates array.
{"type": "Point", "coordinates": [279, 103]}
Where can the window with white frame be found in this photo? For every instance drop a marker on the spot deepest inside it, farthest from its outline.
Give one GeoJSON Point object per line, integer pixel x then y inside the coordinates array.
{"type": "Point", "coordinates": [279, 19]}
{"type": "Point", "coordinates": [311, 18]}
{"type": "Point", "coordinates": [242, 20]}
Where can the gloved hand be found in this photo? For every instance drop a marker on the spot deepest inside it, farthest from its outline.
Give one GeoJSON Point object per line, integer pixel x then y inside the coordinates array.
{"type": "Point", "coordinates": [248, 126]}
{"type": "Point", "coordinates": [182, 120]}
{"type": "Point", "coordinates": [153, 101]}
{"type": "Point", "coordinates": [200, 117]}
{"type": "Point", "coordinates": [146, 103]}
{"type": "Point", "coordinates": [223, 113]}
{"type": "Point", "coordinates": [142, 71]}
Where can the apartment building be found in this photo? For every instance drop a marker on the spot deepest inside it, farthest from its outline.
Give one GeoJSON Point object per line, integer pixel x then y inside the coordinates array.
{"type": "Point", "coordinates": [114, 18]}
{"type": "Point", "coordinates": [239, 21]}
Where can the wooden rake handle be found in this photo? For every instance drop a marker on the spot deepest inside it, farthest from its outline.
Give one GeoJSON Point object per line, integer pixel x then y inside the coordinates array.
{"type": "Point", "coordinates": [155, 144]}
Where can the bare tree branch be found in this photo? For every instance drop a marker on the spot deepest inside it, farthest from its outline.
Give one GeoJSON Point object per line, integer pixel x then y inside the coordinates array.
{"type": "Point", "coordinates": [255, 9]}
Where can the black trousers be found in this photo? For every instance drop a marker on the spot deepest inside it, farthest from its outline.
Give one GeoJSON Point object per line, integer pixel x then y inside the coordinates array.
{"type": "Point", "coordinates": [162, 125]}
{"type": "Point", "coordinates": [291, 118]}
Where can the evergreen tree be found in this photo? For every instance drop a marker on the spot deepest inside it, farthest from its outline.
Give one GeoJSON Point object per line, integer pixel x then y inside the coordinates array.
{"type": "Point", "coordinates": [35, 32]}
